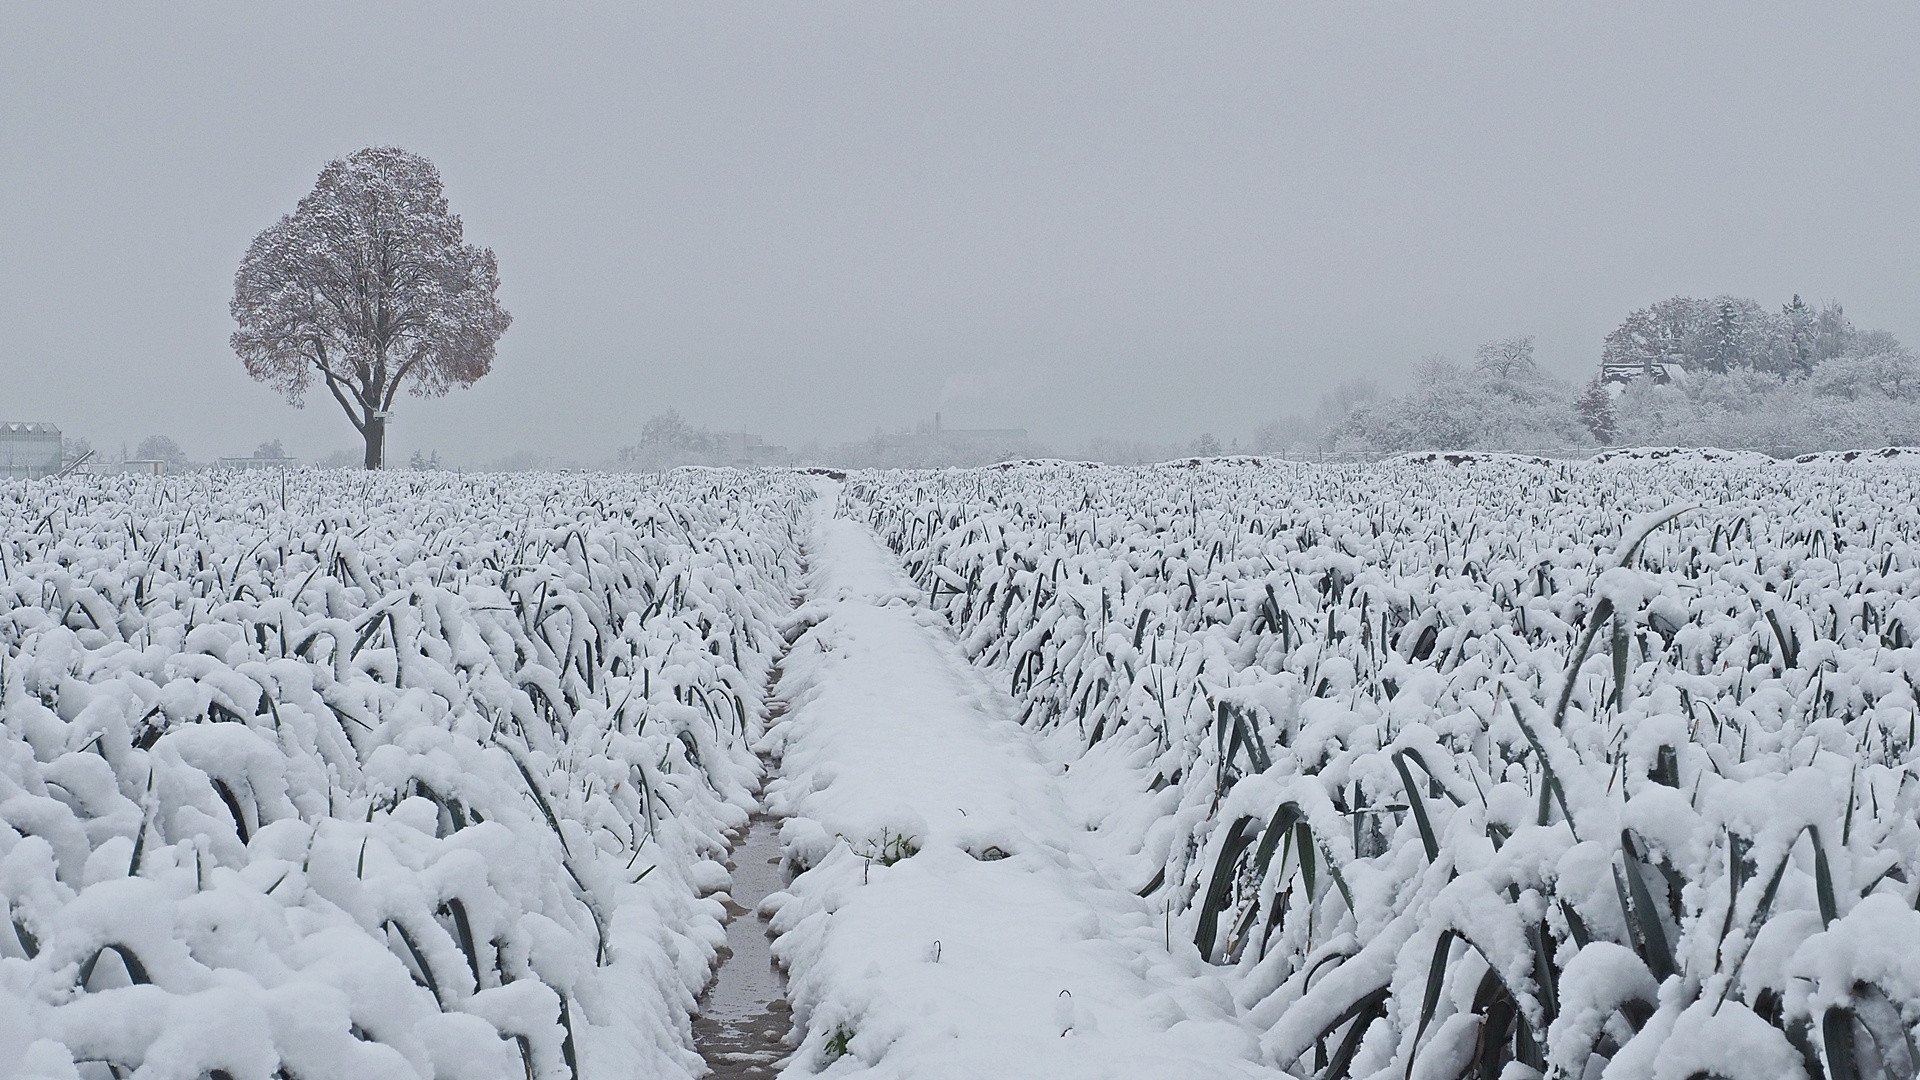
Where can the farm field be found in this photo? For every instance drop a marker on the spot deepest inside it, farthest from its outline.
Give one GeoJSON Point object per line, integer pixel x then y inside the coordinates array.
{"type": "Point", "coordinates": [1491, 767]}
{"type": "Point", "coordinates": [376, 776]}
{"type": "Point", "coordinates": [1481, 766]}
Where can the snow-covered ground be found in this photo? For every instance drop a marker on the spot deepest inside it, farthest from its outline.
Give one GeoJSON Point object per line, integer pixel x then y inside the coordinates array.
{"type": "Point", "coordinates": [1480, 764]}
{"type": "Point", "coordinates": [947, 923]}
{"type": "Point", "coordinates": [1444, 766]}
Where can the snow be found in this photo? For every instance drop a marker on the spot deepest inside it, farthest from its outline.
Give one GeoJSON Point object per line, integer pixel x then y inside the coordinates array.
{"type": "Point", "coordinates": [1729, 1042]}
{"type": "Point", "coordinates": [1596, 982]}
{"type": "Point", "coordinates": [1203, 642]}
{"type": "Point", "coordinates": [1222, 768]}
{"type": "Point", "coordinates": [407, 777]}
{"type": "Point", "coordinates": [997, 948]}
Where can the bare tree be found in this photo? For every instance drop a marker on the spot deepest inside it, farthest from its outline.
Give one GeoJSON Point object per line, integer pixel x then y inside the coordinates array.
{"type": "Point", "coordinates": [1343, 400]}
{"type": "Point", "coordinates": [370, 285]}
{"type": "Point", "coordinates": [1508, 358]}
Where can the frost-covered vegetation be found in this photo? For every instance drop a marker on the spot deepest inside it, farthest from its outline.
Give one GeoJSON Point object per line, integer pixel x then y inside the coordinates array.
{"type": "Point", "coordinates": [1724, 372]}
{"type": "Point", "coordinates": [382, 776]}
{"type": "Point", "coordinates": [1449, 765]}
{"type": "Point", "coordinates": [1486, 767]}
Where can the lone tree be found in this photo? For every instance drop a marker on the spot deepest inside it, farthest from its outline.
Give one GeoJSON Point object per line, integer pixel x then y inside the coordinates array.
{"type": "Point", "coordinates": [370, 285]}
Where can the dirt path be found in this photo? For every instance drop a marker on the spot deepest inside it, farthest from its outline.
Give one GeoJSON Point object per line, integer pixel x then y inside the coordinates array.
{"type": "Point", "coordinates": [948, 925]}
{"type": "Point", "coordinates": [742, 1022]}
{"type": "Point", "coordinates": [744, 1015]}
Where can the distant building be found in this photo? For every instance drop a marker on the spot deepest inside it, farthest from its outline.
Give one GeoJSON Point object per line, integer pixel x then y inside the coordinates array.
{"type": "Point", "coordinates": [747, 449]}
{"type": "Point", "coordinates": [256, 462]}
{"type": "Point", "coordinates": [931, 444]}
{"type": "Point", "coordinates": [28, 451]}
{"type": "Point", "coordinates": [1626, 373]}
{"type": "Point", "coordinates": [136, 466]}
{"type": "Point", "coordinates": [142, 466]}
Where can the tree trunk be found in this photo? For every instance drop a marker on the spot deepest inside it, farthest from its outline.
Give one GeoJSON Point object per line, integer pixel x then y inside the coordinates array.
{"type": "Point", "coordinates": [376, 441]}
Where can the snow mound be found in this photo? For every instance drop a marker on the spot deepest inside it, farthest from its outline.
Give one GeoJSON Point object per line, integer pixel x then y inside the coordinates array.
{"type": "Point", "coordinates": [1903, 454]}
{"type": "Point", "coordinates": [1681, 454]}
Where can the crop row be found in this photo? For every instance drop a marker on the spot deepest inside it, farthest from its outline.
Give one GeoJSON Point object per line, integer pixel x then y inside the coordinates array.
{"type": "Point", "coordinates": [1494, 767]}
{"type": "Point", "coordinates": [387, 777]}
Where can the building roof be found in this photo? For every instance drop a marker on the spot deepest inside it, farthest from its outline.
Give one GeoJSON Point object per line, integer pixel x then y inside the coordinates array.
{"type": "Point", "coordinates": [17, 429]}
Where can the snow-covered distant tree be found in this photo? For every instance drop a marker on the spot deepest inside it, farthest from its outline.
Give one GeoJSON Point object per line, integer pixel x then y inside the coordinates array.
{"type": "Point", "coordinates": [1729, 333]}
{"type": "Point", "coordinates": [1669, 332]}
{"type": "Point", "coordinates": [369, 285]}
{"type": "Point", "coordinates": [1595, 408]}
{"type": "Point", "coordinates": [1724, 346]}
{"type": "Point", "coordinates": [1872, 342]}
{"type": "Point", "coordinates": [1506, 368]}
{"type": "Point", "coordinates": [1508, 358]}
{"type": "Point", "coordinates": [1287, 433]}
{"type": "Point", "coordinates": [1206, 445]}
{"type": "Point", "coordinates": [667, 440]}
{"type": "Point", "coordinates": [1891, 373]}
{"type": "Point", "coordinates": [270, 449]}
{"type": "Point", "coordinates": [1833, 335]}
{"type": "Point", "coordinates": [1338, 403]}
{"type": "Point", "coordinates": [669, 430]}
{"type": "Point", "coordinates": [1451, 407]}
{"type": "Point", "coordinates": [160, 448]}
{"type": "Point", "coordinates": [1855, 403]}
{"type": "Point", "coordinates": [1798, 329]}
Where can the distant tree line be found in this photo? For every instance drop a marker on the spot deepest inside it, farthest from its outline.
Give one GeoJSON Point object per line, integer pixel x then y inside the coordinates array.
{"type": "Point", "coordinates": [1724, 371]}
{"type": "Point", "coordinates": [1732, 333]}
{"type": "Point", "coordinates": [668, 440]}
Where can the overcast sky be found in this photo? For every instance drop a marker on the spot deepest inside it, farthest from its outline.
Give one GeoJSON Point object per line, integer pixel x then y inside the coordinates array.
{"type": "Point", "coordinates": [810, 220]}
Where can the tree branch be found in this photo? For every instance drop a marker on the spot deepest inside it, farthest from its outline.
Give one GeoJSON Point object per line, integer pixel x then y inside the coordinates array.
{"type": "Point", "coordinates": [333, 384]}
{"type": "Point", "coordinates": [398, 377]}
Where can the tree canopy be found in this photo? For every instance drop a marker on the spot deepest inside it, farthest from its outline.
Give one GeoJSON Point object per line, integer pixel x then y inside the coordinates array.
{"type": "Point", "coordinates": [369, 285]}
{"type": "Point", "coordinates": [160, 448]}
{"type": "Point", "coordinates": [1729, 332]}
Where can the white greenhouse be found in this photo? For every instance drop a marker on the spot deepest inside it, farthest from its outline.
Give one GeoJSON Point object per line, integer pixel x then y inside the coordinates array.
{"type": "Point", "coordinates": [29, 450]}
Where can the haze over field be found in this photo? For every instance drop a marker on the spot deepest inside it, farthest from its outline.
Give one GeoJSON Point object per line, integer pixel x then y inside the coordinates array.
{"type": "Point", "coordinates": [814, 221]}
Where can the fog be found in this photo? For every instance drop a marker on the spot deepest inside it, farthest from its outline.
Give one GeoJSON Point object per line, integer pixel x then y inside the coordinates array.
{"type": "Point", "coordinates": [812, 221]}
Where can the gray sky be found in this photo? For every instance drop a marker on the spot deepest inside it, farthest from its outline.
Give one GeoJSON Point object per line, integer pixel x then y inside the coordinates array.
{"type": "Point", "coordinates": [814, 219]}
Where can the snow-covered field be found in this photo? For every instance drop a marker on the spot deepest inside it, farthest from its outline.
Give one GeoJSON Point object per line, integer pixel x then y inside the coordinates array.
{"type": "Point", "coordinates": [1429, 768]}
{"type": "Point", "coordinates": [949, 923]}
{"type": "Point", "coordinates": [375, 777]}
{"type": "Point", "coordinates": [1488, 767]}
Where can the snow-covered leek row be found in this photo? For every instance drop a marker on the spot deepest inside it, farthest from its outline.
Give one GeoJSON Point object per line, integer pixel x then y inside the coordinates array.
{"type": "Point", "coordinates": [1461, 777]}
{"type": "Point", "coordinates": [395, 776]}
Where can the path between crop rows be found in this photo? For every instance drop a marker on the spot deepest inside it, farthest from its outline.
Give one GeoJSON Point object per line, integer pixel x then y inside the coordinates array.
{"type": "Point", "coordinates": [995, 950]}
